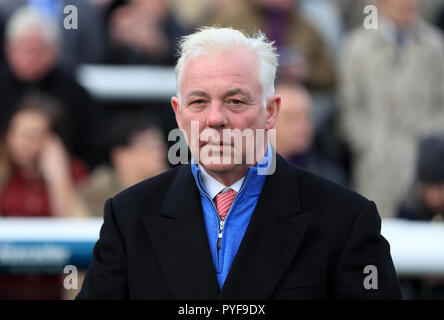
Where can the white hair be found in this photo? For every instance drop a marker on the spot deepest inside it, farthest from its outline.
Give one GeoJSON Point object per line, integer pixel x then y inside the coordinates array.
{"type": "Point", "coordinates": [29, 18]}
{"type": "Point", "coordinates": [207, 39]}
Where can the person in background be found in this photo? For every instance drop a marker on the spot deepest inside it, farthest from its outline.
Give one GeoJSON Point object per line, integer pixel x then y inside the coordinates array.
{"type": "Point", "coordinates": [137, 152]}
{"type": "Point", "coordinates": [142, 32]}
{"type": "Point", "coordinates": [38, 174]}
{"type": "Point", "coordinates": [392, 92]}
{"type": "Point", "coordinates": [294, 133]}
{"type": "Point", "coordinates": [32, 48]}
{"type": "Point", "coordinates": [302, 50]}
{"type": "Point", "coordinates": [38, 178]}
{"type": "Point", "coordinates": [425, 198]}
{"type": "Point", "coordinates": [86, 44]}
{"type": "Point", "coordinates": [424, 201]}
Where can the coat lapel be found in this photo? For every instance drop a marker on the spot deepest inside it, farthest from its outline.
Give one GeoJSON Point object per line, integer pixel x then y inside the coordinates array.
{"type": "Point", "coordinates": [272, 238]}
{"type": "Point", "coordinates": [180, 242]}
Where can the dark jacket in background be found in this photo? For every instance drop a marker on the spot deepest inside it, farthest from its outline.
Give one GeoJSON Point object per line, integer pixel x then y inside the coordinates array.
{"type": "Point", "coordinates": [81, 112]}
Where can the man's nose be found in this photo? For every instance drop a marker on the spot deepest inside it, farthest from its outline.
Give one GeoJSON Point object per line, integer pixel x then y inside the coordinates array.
{"type": "Point", "coordinates": [216, 117]}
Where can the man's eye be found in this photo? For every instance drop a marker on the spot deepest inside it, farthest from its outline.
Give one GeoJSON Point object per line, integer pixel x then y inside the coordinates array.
{"type": "Point", "coordinates": [235, 101]}
{"type": "Point", "coordinates": [199, 101]}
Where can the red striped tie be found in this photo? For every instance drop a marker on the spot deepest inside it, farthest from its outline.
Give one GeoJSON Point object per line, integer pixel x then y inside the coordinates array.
{"type": "Point", "coordinates": [224, 201]}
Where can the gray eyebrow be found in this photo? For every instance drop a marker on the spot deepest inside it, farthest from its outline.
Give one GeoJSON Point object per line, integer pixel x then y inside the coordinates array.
{"type": "Point", "coordinates": [235, 91]}
{"type": "Point", "coordinates": [229, 93]}
{"type": "Point", "coordinates": [198, 93]}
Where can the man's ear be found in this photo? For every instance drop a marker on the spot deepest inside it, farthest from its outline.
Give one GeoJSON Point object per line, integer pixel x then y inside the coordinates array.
{"type": "Point", "coordinates": [175, 103]}
{"type": "Point", "coordinates": [273, 107]}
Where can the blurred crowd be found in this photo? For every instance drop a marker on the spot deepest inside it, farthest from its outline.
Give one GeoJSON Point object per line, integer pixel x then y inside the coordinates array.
{"type": "Point", "coordinates": [363, 107]}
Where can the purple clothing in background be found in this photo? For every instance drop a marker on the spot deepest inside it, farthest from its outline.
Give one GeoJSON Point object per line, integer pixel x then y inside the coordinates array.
{"type": "Point", "coordinates": [276, 23]}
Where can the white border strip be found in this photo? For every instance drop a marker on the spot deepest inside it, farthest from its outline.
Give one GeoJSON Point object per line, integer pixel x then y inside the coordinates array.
{"type": "Point", "coordinates": [50, 229]}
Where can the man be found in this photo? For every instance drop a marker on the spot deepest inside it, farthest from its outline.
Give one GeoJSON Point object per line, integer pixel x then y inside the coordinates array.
{"type": "Point", "coordinates": [392, 93]}
{"type": "Point", "coordinates": [217, 229]}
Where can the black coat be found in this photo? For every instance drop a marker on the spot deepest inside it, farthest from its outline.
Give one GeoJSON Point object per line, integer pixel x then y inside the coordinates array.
{"type": "Point", "coordinates": [307, 239]}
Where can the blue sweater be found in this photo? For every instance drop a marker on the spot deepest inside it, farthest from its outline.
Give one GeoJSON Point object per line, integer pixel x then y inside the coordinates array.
{"type": "Point", "coordinates": [236, 222]}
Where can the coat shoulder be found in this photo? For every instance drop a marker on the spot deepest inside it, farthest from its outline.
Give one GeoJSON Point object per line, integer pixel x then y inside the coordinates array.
{"type": "Point", "coordinates": [320, 194]}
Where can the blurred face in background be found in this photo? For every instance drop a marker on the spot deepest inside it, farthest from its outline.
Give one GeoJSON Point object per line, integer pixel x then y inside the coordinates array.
{"type": "Point", "coordinates": [294, 127]}
{"type": "Point", "coordinates": [144, 157]}
{"type": "Point", "coordinates": [25, 138]}
{"type": "Point", "coordinates": [434, 196]}
{"type": "Point", "coordinates": [403, 13]}
{"type": "Point", "coordinates": [30, 57]}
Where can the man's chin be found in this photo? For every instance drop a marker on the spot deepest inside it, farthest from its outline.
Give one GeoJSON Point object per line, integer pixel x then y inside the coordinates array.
{"type": "Point", "coordinates": [218, 166]}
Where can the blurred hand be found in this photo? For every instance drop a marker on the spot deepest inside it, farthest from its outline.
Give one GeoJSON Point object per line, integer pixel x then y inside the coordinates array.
{"type": "Point", "coordinates": [54, 165]}
{"type": "Point", "coordinates": [54, 160]}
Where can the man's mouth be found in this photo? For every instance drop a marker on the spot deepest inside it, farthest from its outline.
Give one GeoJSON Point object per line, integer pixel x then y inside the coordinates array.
{"type": "Point", "coordinates": [214, 144]}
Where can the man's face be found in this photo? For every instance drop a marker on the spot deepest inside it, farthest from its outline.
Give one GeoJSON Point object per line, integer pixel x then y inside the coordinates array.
{"type": "Point", "coordinates": [30, 57]}
{"type": "Point", "coordinates": [222, 91]}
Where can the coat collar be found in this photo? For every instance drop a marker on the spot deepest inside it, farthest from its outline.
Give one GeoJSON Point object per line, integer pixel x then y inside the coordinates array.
{"type": "Point", "coordinates": [271, 241]}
